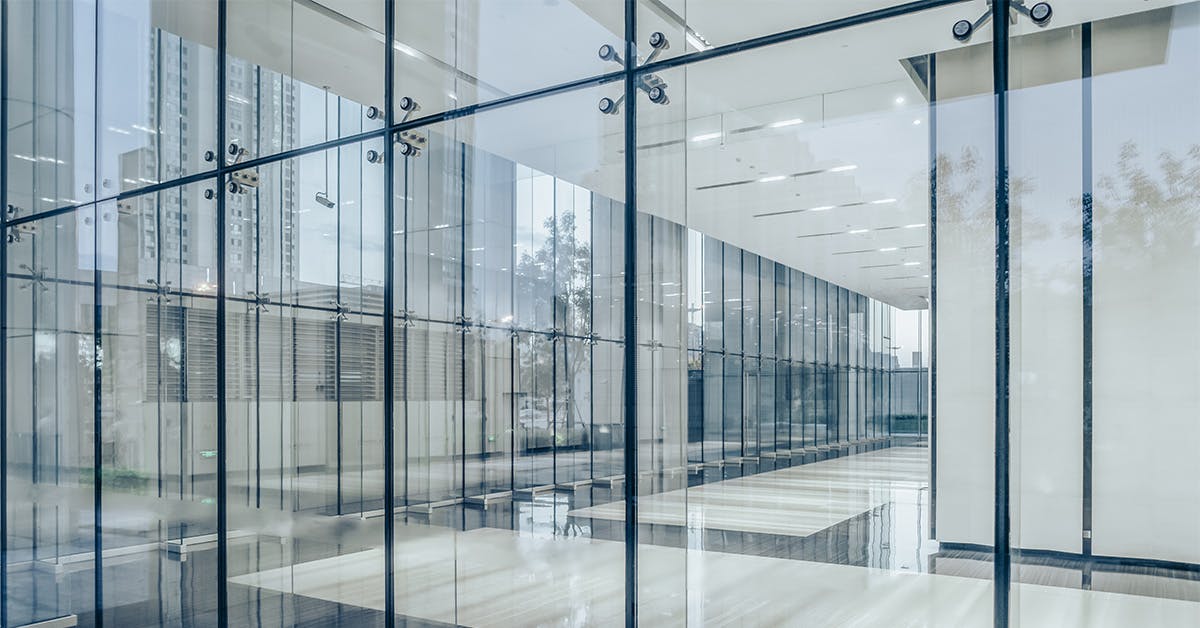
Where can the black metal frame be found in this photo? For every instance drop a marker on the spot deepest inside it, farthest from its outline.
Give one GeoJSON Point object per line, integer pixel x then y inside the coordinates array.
{"type": "Point", "coordinates": [222, 303]}
{"type": "Point", "coordinates": [1001, 558]}
{"type": "Point", "coordinates": [4, 314]}
{"type": "Point", "coordinates": [1086, 84]}
{"type": "Point", "coordinates": [933, 214]}
{"type": "Point", "coordinates": [631, 77]}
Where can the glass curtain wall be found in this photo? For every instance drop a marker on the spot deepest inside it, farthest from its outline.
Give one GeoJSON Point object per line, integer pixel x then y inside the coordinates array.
{"type": "Point", "coordinates": [376, 312]}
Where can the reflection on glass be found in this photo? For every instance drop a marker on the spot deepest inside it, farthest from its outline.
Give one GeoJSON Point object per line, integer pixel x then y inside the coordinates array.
{"type": "Point", "coordinates": [509, 315]}
{"type": "Point", "coordinates": [299, 73]}
{"type": "Point", "coordinates": [51, 100]}
{"type": "Point", "coordinates": [456, 53]}
{"type": "Point", "coordinates": [50, 397]}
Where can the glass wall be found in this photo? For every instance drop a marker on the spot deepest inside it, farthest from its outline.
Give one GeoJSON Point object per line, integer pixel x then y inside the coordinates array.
{"type": "Point", "coordinates": [590, 312]}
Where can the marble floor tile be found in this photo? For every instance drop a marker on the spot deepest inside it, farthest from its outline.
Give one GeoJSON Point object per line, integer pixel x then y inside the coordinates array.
{"type": "Point", "coordinates": [795, 501]}
{"type": "Point", "coordinates": [492, 577]}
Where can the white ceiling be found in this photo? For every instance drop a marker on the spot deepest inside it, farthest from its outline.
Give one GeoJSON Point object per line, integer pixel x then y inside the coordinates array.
{"type": "Point", "coordinates": [859, 104]}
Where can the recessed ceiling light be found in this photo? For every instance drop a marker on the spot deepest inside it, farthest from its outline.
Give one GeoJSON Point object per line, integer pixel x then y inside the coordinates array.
{"type": "Point", "coordinates": [916, 226]}
{"type": "Point", "coordinates": [843, 168]}
{"type": "Point", "coordinates": [704, 137]}
{"type": "Point", "coordinates": [773, 179]}
{"type": "Point", "coordinates": [858, 231]}
{"type": "Point", "coordinates": [917, 121]}
{"type": "Point", "coordinates": [899, 100]}
{"type": "Point", "coordinates": [883, 201]}
{"type": "Point", "coordinates": [888, 249]}
{"type": "Point", "coordinates": [783, 123]}
{"type": "Point", "coordinates": [925, 276]}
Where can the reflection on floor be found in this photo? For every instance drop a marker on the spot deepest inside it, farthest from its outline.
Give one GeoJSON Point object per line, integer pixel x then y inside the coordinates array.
{"type": "Point", "coordinates": [717, 556]}
{"type": "Point", "coordinates": [795, 501]}
{"type": "Point", "coordinates": [490, 577]}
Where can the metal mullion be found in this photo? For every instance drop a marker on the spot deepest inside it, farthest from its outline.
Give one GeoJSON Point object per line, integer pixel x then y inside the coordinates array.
{"type": "Point", "coordinates": [98, 340]}
{"type": "Point", "coordinates": [1088, 269]}
{"type": "Point", "coordinates": [933, 216]}
{"type": "Point", "coordinates": [4, 312]}
{"type": "Point", "coordinates": [222, 358]}
{"type": "Point", "coordinates": [462, 308]}
{"type": "Point", "coordinates": [1001, 558]}
{"type": "Point", "coordinates": [630, 316]}
{"type": "Point", "coordinates": [389, 349]}
{"type": "Point", "coordinates": [337, 319]}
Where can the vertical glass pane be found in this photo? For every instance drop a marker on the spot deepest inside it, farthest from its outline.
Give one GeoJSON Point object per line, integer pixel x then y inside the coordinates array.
{"type": "Point", "coordinates": [963, 269]}
{"type": "Point", "coordinates": [303, 344]}
{"type": "Point", "coordinates": [157, 259]}
{"type": "Point", "coordinates": [158, 94]}
{"type": "Point", "coordinates": [806, 202]}
{"type": "Point", "coordinates": [51, 69]}
{"type": "Point", "coordinates": [1104, 156]}
{"type": "Point", "coordinates": [456, 53]}
{"type": "Point", "coordinates": [509, 471]}
{"type": "Point", "coordinates": [298, 72]}
{"type": "Point", "coordinates": [51, 428]}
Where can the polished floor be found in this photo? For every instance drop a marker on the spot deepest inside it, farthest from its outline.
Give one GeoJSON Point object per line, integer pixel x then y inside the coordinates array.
{"type": "Point", "coordinates": [795, 501]}
{"type": "Point", "coordinates": [492, 577]}
{"type": "Point", "coordinates": [838, 542]}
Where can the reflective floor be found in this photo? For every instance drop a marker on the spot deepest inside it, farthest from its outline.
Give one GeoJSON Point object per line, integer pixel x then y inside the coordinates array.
{"type": "Point", "coordinates": [835, 542]}
{"type": "Point", "coordinates": [841, 540]}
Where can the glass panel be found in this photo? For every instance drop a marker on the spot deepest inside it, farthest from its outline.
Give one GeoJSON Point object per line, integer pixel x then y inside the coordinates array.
{"type": "Point", "coordinates": [509, 231]}
{"type": "Point", "coordinates": [695, 25]}
{"type": "Point", "coordinates": [158, 406]}
{"type": "Point", "coordinates": [303, 382]}
{"type": "Point", "coordinates": [806, 199]}
{"type": "Point", "coordinates": [455, 53]}
{"type": "Point", "coordinates": [158, 92]}
{"type": "Point", "coordinates": [1105, 201]}
{"type": "Point", "coordinates": [51, 99]}
{"type": "Point", "coordinates": [963, 223]}
{"type": "Point", "coordinates": [50, 435]}
{"type": "Point", "coordinates": [298, 72]}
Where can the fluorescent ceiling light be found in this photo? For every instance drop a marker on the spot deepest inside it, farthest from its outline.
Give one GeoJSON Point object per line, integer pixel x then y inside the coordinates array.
{"type": "Point", "coordinates": [773, 179]}
{"type": "Point", "coordinates": [845, 168]}
{"type": "Point", "coordinates": [912, 263]}
{"type": "Point", "coordinates": [883, 201]}
{"type": "Point", "coordinates": [858, 231]}
{"type": "Point", "coordinates": [821, 208]}
{"type": "Point", "coordinates": [888, 249]}
{"type": "Point", "coordinates": [916, 226]}
{"type": "Point", "coordinates": [696, 41]}
{"type": "Point", "coordinates": [704, 137]}
{"type": "Point", "coordinates": [783, 123]}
